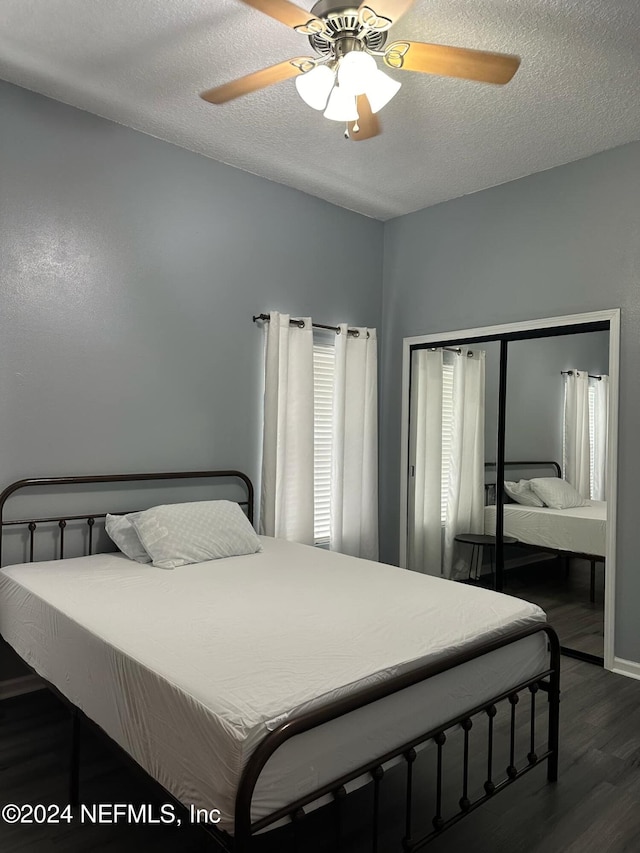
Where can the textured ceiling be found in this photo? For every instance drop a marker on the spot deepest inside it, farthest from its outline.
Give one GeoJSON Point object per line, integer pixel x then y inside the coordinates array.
{"type": "Point", "coordinates": [143, 63]}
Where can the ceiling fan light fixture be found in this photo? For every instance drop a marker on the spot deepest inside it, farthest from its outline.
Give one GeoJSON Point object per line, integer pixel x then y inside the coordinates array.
{"type": "Point", "coordinates": [356, 71]}
{"type": "Point", "coordinates": [315, 86]}
{"type": "Point", "coordinates": [341, 106]}
{"type": "Point", "coordinates": [380, 90]}
{"type": "Point", "coordinates": [342, 80]}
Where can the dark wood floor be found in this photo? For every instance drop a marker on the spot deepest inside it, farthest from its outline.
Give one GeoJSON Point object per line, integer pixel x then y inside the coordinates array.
{"type": "Point", "coordinates": [565, 599]}
{"type": "Point", "coordinates": [594, 808]}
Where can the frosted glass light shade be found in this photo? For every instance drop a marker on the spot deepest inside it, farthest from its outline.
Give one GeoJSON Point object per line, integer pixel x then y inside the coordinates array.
{"type": "Point", "coordinates": [356, 71]}
{"type": "Point", "coordinates": [341, 106]}
{"type": "Point", "coordinates": [380, 90]}
{"type": "Point", "coordinates": [315, 86]}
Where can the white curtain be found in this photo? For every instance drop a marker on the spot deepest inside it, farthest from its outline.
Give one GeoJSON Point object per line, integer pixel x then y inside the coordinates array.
{"type": "Point", "coordinates": [425, 452]}
{"type": "Point", "coordinates": [576, 431]}
{"type": "Point", "coordinates": [465, 500]}
{"type": "Point", "coordinates": [354, 479]}
{"type": "Point", "coordinates": [600, 389]}
{"type": "Point", "coordinates": [287, 459]}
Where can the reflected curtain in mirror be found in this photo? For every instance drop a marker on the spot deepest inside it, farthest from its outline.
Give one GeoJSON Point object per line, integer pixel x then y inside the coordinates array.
{"type": "Point", "coordinates": [599, 391]}
{"type": "Point", "coordinates": [465, 502]}
{"type": "Point", "coordinates": [425, 459]}
{"type": "Point", "coordinates": [446, 491]}
{"type": "Point", "coordinates": [576, 450]}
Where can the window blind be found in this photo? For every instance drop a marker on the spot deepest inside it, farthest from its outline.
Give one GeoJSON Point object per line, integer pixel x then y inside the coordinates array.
{"type": "Point", "coordinates": [592, 437]}
{"type": "Point", "coordinates": [447, 434]}
{"type": "Point", "coordinates": [323, 373]}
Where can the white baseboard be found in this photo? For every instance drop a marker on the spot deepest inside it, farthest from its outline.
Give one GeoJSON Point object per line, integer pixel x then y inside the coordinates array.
{"type": "Point", "coordinates": [626, 667]}
{"type": "Point", "coordinates": [18, 686]}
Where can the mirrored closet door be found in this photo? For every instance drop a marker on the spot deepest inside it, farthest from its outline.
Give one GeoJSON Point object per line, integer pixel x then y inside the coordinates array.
{"type": "Point", "coordinates": [505, 464]}
{"type": "Point", "coordinates": [555, 509]}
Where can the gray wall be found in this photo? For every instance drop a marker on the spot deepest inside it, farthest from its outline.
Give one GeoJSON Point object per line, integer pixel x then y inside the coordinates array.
{"type": "Point", "coordinates": [559, 242]}
{"type": "Point", "coordinates": [535, 392]}
{"type": "Point", "coordinates": [130, 270]}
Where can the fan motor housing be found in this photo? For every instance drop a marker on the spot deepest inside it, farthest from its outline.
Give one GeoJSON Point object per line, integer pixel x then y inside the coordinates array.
{"type": "Point", "coordinates": [342, 20]}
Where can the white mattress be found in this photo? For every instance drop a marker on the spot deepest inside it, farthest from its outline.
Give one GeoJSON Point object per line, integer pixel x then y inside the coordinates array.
{"type": "Point", "coordinates": [188, 669]}
{"type": "Point", "coordinates": [582, 530]}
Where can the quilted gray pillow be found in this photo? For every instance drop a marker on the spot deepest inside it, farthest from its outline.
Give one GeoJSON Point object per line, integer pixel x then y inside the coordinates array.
{"type": "Point", "coordinates": [121, 530]}
{"type": "Point", "coordinates": [179, 534]}
{"type": "Point", "coordinates": [556, 493]}
{"type": "Point", "coordinates": [522, 493]}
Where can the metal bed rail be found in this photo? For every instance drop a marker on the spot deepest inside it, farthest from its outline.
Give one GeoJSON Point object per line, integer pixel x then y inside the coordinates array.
{"type": "Point", "coordinates": [548, 681]}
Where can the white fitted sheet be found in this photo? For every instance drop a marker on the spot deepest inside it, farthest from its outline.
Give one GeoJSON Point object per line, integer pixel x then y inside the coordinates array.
{"type": "Point", "coordinates": [581, 530]}
{"type": "Point", "coordinates": [188, 670]}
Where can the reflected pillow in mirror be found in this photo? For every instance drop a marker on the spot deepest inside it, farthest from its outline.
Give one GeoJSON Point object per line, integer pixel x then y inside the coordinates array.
{"type": "Point", "coordinates": [121, 531]}
{"type": "Point", "coordinates": [556, 493]}
{"type": "Point", "coordinates": [522, 493]}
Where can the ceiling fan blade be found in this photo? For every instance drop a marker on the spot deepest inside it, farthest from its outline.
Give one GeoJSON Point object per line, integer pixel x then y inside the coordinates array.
{"type": "Point", "coordinates": [381, 14]}
{"type": "Point", "coordinates": [446, 61]}
{"type": "Point", "coordinates": [258, 80]}
{"type": "Point", "coordinates": [290, 15]}
{"type": "Point", "coordinates": [368, 124]}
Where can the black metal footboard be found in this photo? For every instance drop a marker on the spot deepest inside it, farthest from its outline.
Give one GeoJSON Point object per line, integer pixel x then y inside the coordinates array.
{"type": "Point", "coordinates": [547, 681]}
{"type": "Point", "coordinates": [476, 745]}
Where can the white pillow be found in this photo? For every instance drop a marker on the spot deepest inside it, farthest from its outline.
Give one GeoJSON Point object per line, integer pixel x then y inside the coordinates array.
{"type": "Point", "coordinates": [121, 530]}
{"type": "Point", "coordinates": [556, 493]}
{"type": "Point", "coordinates": [522, 493]}
{"type": "Point", "coordinates": [179, 534]}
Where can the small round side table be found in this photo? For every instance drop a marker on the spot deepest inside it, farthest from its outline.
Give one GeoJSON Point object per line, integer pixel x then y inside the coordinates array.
{"type": "Point", "coordinates": [478, 541]}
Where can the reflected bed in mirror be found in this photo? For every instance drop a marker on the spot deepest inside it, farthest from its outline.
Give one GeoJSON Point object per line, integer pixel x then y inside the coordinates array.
{"type": "Point", "coordinates": [572, 585]}
{"type": "Point", "coordinates": [578, 531]}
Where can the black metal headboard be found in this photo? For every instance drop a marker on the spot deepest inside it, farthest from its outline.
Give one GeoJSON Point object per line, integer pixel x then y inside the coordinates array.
{"type": "Point", "coordinates": [31, 524]}
{"type": "Point", "coordinates": [521, 465]}
{"type": "Point", "coordinates": [531, 464]}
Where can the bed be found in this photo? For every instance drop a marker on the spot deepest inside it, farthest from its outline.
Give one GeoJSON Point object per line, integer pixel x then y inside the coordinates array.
{"type": "Point", "coordinates": [578, 532]}
{"type": "Point", "coordinates": [270, 684]}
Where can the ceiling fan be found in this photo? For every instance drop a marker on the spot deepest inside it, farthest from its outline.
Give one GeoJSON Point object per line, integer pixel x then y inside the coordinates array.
{"type": "Point", "coordinates": [343, 79]}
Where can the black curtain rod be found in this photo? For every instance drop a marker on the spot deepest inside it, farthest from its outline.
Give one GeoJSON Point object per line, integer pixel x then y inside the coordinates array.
{"type": "Point", "coordinates": [300, 324]}
{"type": "Point", "coordinates": [570, 373]}
{"type": "Point", "coordinates": [457, 350]}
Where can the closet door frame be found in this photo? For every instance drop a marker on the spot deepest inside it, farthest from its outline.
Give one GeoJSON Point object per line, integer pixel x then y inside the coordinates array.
{"type": "Point", "coordinates": [527, 330]}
